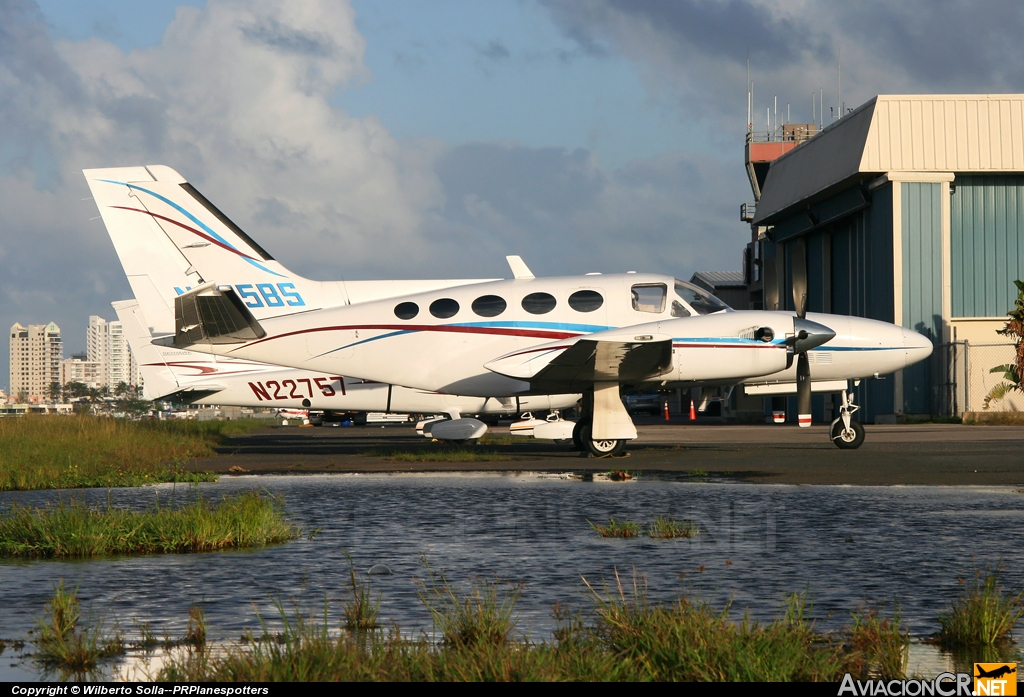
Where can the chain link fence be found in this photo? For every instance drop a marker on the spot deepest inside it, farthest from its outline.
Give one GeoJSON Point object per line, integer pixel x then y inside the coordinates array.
{"type": "Point", "coordinates": [963, 378]}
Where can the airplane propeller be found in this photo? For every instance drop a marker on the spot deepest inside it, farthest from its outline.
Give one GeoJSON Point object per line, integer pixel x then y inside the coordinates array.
{"type": "Point", "coordinates": [806, 334]}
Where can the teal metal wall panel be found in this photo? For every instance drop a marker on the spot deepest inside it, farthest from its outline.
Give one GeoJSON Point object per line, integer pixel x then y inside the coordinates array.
{"type": "Point", "coordinates": [922, 257]}
{"type": "Point", "coordinates": [987, 240]}
{"type": "Point", "coordinates": [921, 233]}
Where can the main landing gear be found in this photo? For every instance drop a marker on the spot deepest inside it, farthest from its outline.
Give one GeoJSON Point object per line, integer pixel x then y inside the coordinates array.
{"type": "Point", "coordinates": [585, 443]}
{"type": "Point", "coordinates": [845, 432]}
{"type": "Point", "coordinates": [582, 433]}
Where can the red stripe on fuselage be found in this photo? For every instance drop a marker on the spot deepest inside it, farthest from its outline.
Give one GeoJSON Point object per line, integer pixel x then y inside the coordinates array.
{"type": "Point", "coordinates": [497, 331]}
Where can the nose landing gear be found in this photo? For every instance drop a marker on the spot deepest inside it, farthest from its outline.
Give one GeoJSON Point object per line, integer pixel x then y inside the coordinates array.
{"type": "Point", "coordinates": [846, 433]}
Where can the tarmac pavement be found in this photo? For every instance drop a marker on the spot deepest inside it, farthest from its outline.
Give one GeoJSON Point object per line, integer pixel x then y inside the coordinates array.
{"type": "Point", "coordinates": [937, 454]}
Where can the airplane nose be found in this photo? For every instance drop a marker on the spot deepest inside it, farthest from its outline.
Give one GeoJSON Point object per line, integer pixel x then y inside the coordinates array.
{"type": "Point", "coordinates": [918, 346]}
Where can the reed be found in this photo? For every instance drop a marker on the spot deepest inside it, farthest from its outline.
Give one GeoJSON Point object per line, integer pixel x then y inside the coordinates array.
{"type": "Point", "coordinates": [65, 452]}
{"type": "Point", "coordinates": [617, 528]}
{"type": "Point", "coordinates": [72, 528]}
{"type": "Point", "coordinates": [984, 615]}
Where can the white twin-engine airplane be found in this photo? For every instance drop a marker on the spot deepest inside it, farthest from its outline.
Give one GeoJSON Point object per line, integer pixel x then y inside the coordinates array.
{"type": "Point", "coordinates": [591, 334]}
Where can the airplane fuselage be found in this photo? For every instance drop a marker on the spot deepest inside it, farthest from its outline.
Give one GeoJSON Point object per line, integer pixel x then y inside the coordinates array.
{"type": "Point", "coordinates": [443, 340]}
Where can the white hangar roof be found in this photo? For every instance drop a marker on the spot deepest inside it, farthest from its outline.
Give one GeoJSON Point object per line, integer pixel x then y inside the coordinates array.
{"type": "Point", "coordinates": [960, 133]}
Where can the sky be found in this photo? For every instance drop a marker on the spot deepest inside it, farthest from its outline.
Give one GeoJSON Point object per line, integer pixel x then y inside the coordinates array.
{"type": "Point", "coordinates": [430, 138]}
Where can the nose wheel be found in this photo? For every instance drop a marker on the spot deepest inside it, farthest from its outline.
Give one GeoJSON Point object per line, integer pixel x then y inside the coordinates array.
{"type": "Point", "coordinates": [846, 433]}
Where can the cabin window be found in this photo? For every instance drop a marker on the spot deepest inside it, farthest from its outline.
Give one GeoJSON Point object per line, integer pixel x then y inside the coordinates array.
{"type": "Point", "coordinates": [489, 305]}
{"type": "Point", "coordinates": [585, 300]}
{"type": "Point", "coordinates": [539, 303]}
{"type": "Point", "coordinates": [649, 297]}
{"type": "Point", "coordinates": [406, 310]}
{"type": "Point", "coordinates": [443, 308]}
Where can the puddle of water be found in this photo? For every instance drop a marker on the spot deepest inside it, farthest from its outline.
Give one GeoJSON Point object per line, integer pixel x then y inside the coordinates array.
{"type": "Point", "coordinates": [843, 545]}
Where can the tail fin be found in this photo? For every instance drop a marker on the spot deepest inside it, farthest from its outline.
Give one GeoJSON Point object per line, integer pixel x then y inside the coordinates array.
{"type": "Point", "coordinates": [170, 371]}
{"type": "Point", "coordinates": [167, 234]}
{"type": "Point", "coordinates": [158, 380]}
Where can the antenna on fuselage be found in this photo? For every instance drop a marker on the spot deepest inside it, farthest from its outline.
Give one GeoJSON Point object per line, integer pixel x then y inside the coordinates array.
{"type": "Point", "coordinates": [519, 267]}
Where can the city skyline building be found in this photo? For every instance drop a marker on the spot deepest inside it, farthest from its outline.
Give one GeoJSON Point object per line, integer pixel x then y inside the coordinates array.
{"type": "Point", "coordinates": [35, 356]}
{"type": "Point", "coordinates": [107, 346]}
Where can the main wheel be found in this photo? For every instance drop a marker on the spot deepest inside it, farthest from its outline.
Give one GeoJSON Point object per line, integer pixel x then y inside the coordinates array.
{"type": "Point", "coordinates": [577, 439]}
{"type": "Point", "coordinates": [600, 448]}
{"type": "Point", "coordinates": [847, 438]}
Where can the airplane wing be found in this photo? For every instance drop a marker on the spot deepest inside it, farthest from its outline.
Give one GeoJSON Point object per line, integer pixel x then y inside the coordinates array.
{"type": "Point", "coordinates": [598, 358]}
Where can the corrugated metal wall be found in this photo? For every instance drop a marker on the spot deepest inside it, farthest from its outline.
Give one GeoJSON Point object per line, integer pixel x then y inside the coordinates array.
{"type": "Point", "coordinates": [921, 232]}
{"type": "Point", "coordinates": [987, 240]}
{"type": "Point", "coordinates": [945, 133]}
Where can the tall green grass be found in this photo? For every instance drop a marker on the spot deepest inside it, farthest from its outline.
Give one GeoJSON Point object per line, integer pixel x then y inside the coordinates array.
{"type": "Point", "coordinates": [65, 644]}
{"type": "Point", "coordinates": [75, 529]}
{"type": "Point", "coordinates": [64, 452]}
{"type": "Point", "coordinates": [626, 638]}
{"type": "Point", "coordinates": [984, 615]}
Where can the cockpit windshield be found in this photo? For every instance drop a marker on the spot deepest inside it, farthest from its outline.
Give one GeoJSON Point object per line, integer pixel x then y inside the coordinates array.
{"type": "Point", "coordinates": [702, 302]}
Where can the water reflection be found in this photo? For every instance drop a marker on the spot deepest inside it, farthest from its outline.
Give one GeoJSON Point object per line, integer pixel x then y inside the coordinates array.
{"type": "Point", "coordinates": [845, 545]}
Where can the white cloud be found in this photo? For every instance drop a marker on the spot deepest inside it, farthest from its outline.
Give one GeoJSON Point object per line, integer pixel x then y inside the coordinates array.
{"type": "Point", "coordinates": [236, 97]}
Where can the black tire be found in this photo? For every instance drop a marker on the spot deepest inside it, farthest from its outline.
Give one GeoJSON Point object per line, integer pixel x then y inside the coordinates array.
{"type": "Point", "coordinates": [601, 448]}
{"type": "Point", "coordinates": [577, 440]}
{"type": "Point", "coordinates": [847, 440]}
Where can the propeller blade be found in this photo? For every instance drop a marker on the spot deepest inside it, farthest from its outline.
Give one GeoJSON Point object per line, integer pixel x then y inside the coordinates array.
{"type": "Point", "coordinates": [798, 258]}
{"type": "Point", "coordinates": [803, 390]}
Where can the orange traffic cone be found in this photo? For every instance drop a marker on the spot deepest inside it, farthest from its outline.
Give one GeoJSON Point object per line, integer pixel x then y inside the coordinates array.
{"type": "Point", "coordinates": [693, 411]}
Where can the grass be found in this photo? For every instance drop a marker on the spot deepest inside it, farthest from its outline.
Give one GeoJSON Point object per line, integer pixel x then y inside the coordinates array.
{"type": "Point", "coordinates": [438, 455]}
{"type": "Point", "coordinates": [984, 615]}
{"type": "Point", "coordinates": [617, 528]}
{"type": "Point", "coordinates": [668, 528]}
{"type": "Point", "coordinates": [63, 644]}
{"type": "Point", "coordinates": [880, 645]}
{"type": "Point", "coordinates": [66, 452]}
{"type": "Point", "coordinates": [624, 638]}
{"type": "Point", "coordinates": [75, 529]}
{"type": "Point", "coordinates": [361, 610]}
{"type": "Point", "coordinates": [483, 617]}
{"type": "Point", "coordinates": [662, 528]}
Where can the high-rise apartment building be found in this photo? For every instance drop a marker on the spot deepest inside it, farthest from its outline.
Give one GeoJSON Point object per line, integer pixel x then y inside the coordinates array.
{"type": "Point", "coordinates": [108, 347]}
{"type": "Point", "coordinates": [36, 352]}
{"type": "Point", "coordinates": [79, 368]}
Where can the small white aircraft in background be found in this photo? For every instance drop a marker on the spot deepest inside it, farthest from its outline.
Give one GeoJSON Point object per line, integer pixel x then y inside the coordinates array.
{"type": "Point", "coordinates": [200, 378]}
{"type": "Point", "coordinates": [592, 334]}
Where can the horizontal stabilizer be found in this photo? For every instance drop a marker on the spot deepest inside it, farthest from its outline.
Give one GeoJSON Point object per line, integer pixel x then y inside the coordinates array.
{"type": "Point", "coordinates": [212, 314]}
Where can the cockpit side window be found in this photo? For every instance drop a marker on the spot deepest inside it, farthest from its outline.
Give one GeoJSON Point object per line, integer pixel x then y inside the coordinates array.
{"type": "Point", "coordinates": [702, 302]}
{"type": "Point", "coordinates": [649, 297]}
{"type": "Point", "coordinates": [679, 310]}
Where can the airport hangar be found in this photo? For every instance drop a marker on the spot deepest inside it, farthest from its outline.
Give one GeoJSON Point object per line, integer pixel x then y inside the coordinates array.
{"type": "Point", "coordinates": [908, 209]}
